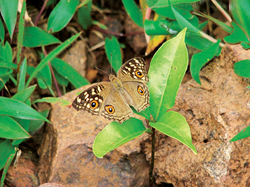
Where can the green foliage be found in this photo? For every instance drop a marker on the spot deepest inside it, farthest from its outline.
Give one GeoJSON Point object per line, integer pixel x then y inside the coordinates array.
{"type": "Point", "coordinates": [114, 135]}
{"type": "Point", "coordinates": [113, 53]}
{"type": "Point", "coordinates": [245, 133]}
{"type": "Point", "coordinates": [166, 72]}
{"type": "Point", "coordinates": [18, 120]}
{"type": "Point", "coordinates": [61, 15]}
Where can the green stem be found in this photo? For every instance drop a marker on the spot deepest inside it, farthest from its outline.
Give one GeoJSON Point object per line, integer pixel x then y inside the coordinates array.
{"type": "Point", "coordinates": [152, 157]}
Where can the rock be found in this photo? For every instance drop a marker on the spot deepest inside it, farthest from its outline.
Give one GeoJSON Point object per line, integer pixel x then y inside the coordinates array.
{"type": "Point", "coordinates": [135, 38]}
{"type": "Point", "coordinates": [216, 111]}
{"type": "Point", "coordinates": [76, 56]}
{"type": "Point", "coordinates": [24, 173]}
{"type": "Point", "coordinates": [66, 155]}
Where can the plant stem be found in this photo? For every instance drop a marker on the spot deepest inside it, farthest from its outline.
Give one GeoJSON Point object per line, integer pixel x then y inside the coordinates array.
{"type": "Point", "coordinates": [152, 157]}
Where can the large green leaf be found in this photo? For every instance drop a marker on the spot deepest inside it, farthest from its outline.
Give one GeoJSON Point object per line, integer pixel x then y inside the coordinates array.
{"type": "Point", "coordinates": [35, 37]}
{"type": "Point", "coordinates": [198, 60]}
{"type": "Point", "coordinates": [175, 125]}
{"type": "Point", "coordinates": [240, 10]}
{"type": "Point", "coordinates": [61, 15]}
{"type": "Point", "coordinates": [53, 100]}
{"type": "Point", "coordinates": [8, 10]}
{"type": "Point", "coordinates": [69, 73]}
{"type": "Point", "coordinates": [20, 34]}
{"type": "Point", "coordinates": [237, 35]}
{"type": "Point", "coordinates": [6, 149]}
{"type": "Point", "coordinates": [166, 72]}
{"type": "Point", "coordinates": [84, 17]}
{"type": "Point", "coordinates": [159, 27]}
{"type": "Point", "coordinates": [9, 153]}
{"type": "Point", "coordinates": [115, 134]}
{"type": "Point", "coordinates": [245, 133]}
{"type": "Point", "coordinates": [22, 75]}
{"type": "Point", "coordinates": [242, 68]}
{"type": "Point", "coordinates": [2, 32]}
{"type": "Point", "coordinates": [10, 129]}
{"type": "Point", "coordinates": [37, 124]}
{"type": "Point", "coordinates": [183, 22]}
{"type": "Point", "coordinates": [15, 108]}
{"type": "Point", "coordinates": [133, 11]}
{"type": "Point", "coordinates": [50, 56]}
{"type": "Point", "coordinates": [113, 53]}
{"type": "Point", "coordinates": [6, 57]}
{"type": "Point", "coordinates": [24, 94]}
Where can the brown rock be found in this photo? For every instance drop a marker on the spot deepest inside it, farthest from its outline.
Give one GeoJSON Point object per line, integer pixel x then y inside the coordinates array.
{"type": "Point", "coordinates": [135, 38]}
{"type": "Point", "coordinates": [23, 174]}
{"type": "Point", "coordinates": [76, 56]}
{"type": "Point", "coordinates": [216, 111]}
{"type": "Point", "coordinates": [66, 155]}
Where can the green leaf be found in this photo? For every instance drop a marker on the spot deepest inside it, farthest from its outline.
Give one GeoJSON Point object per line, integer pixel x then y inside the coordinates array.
{"type": "Point", "coordinates": [6, 52]}
{"type": "Point", "coordinates": [24, 94]}
{"type": "Point", "coordinates": [198, 60]}
{"type": "Point", "coordinates": [197, 41]}
{"type": "Point", "coordinates": [113, 53]}
{"type": "Point", "coordinates": [37, 124]}
{"type": "Point", "coordinates": [240, 10]}
{"type": "Point", "coordinates": [182, 22]}
{"type": "Point", "coordinates": [242, 68]}
{"type": "Point", "coordinates": [10, 129]}
{"type": "Point", "coordinates": [18, 109]}
{"type": "Point", "coordinates": [22, 75]}
{"type": "Point", "coordinates": [69, 73]}
{"type": "Point", "coordinates": [133, 11]}
{"type": "Point", "coordinates": [21, 33]}
{"type": "Point", "coordinates": [25, 124]}
{"type": "Point", "coordinates": [237, 35]}
{"type": "Point", "coordinates": [2, 33]}
{"type": "Point", "coordinates": [175, 125]}
{"type": "Point", "coordinates": [8, 65]}
{"type": "Point", "coordinates": [221, 24]}
{"type": "Point", "coordinates": [164, 3]}
{"type": "Point", "coordinates": [84, 17]}
{"type": "Point", "coordinates": [166, 72]}
{"type": "Point", "coordinates": [245, 133]}
{"type": "Point", "coordinates": [115, 135]}
{"type": "Point", "coordinates": [7, 165]}
{"type": "Point", "coordinates": [8, 149]}
{"type": "Point", "coordinates": [35, 37]}
{"type": "Point", "coordinates": [9, 13]}
{"type": "Point", "coordinates": [50, 56]}
{"type": "Point", "coordinates": [60, 79]}
{"type": "Point", "coordinates": [161, 27]}
{"type": "Point", "coordinates": [53, 100]}
{"type": "Point", "coordinates": [61, 15]}
{"type": "Point", "coordinates": [43, 76]}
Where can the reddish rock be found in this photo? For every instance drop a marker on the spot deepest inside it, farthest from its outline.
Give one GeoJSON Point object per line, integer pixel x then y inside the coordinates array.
{"type": "Point", "coordinates": [216, 111]}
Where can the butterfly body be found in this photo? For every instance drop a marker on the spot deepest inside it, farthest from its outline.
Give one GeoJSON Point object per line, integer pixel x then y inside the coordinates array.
{"type": "Point", "coordinates": [112, 99]}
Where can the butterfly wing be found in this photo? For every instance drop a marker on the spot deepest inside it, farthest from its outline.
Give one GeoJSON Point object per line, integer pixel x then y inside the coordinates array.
{"type": "Point", "coordinates": [103, 99]}
{"type": "Point", "coordinates": [133, 75]}
{"type": "Point", "coordinates": [133, 70]}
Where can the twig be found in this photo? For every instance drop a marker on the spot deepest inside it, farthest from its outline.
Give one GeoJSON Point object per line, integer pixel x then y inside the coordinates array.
{"type": "Point", "coordinates": [225, 14]}
{"type": "Point", "coordinates": [41, 11]}
{"type": "Point", "coordinates": [151, 179]}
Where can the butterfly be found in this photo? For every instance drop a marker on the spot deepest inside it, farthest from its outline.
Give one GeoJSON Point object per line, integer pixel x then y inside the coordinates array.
{"type": "Point", "coordinates": [113, 99]}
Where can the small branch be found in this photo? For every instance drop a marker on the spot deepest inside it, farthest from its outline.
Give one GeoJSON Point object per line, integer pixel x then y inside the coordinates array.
{"type": "Point", "coordinates": [225, 14]}
{"type": "Point", "coordinates": [151, 177]}
{"type": "Point", "coordinates": [53, 75]}
{"type": "Point", "coordinates": [115, 33]}
{"type": "Point", "coordinates": [41, 11]}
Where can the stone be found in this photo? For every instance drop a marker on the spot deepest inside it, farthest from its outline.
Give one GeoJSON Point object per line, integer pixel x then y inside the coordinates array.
{"type": "Point", "coordinates": [216, 111]}
{"type": "Point", "coordinates": [66, 155]}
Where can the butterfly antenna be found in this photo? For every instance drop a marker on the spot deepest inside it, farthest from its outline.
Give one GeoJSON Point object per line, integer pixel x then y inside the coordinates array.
{"type": "Point", "coordinates": [111, 63]}
{"type": "Point", "coordinates": [101, 70]}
